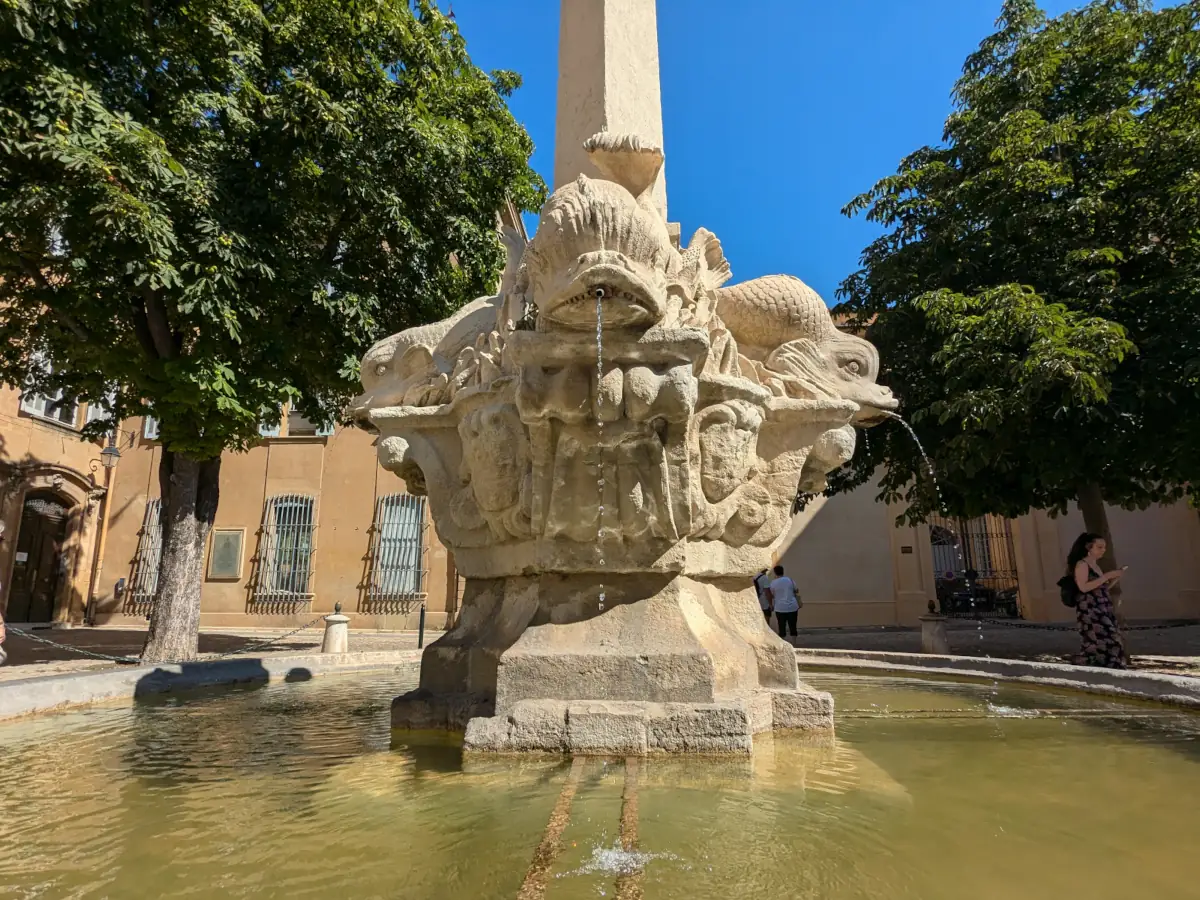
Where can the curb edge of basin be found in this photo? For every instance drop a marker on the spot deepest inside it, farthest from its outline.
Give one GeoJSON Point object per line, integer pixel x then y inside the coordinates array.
{"type": "Point", "coordinates": [1175, 690]}
{"type": "Point", "coordinates": [52, 693]}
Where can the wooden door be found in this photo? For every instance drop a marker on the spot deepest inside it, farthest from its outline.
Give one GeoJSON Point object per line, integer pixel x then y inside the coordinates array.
{"type": "Point", "coordinates": [38, 567]}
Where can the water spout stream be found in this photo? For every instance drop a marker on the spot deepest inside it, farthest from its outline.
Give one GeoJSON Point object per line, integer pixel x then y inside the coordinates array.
{"type": "Point", "coordinates": [941, 505]}
{"type": "Point", "coordinates": [600, 434]}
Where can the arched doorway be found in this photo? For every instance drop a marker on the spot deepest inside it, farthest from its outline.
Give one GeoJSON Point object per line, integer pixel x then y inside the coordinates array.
{"type": "Point", "coordinates": [39, 568]}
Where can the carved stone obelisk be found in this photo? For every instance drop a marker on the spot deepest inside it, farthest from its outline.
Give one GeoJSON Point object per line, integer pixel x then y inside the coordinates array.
{"type": "Point", "coordinates": [607, 81]}
{"type": "Point", "coordinates": [611, 446]}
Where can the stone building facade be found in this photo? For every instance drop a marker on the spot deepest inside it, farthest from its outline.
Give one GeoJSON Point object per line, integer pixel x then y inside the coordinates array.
{"type": "Point", "coordinates": [52, 502]}
{"type": "Point", "coordinates": [857, 567]}
{"type": "Point", "coordinates": [308, 520]}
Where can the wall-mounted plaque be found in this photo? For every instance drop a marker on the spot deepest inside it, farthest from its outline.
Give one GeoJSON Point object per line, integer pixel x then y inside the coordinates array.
{"type": "Point", "coordinates": [225, 554]}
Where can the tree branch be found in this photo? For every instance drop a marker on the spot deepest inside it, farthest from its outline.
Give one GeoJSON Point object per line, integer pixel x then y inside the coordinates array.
{"type": "Point", "coordinates": [35, 272]}
{"type": "Point", "coordinates": [141, 328]}
{"type": "Point", "coordinates": [161, 336]}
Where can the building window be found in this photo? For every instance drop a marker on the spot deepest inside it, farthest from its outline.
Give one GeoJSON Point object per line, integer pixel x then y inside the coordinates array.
{"type": "Point", "coordinates": [300, 426]}
{"type": "Point", "coordinates": [285, 550]}
{"type": "Point", "coordinates": [99, 409]}
{"type": "Point", "coordinates": [144, 580]}
{"type": "Point", "coordinates": [52, 407]}
{"type": "Point", "coordinates": [397, 549]}
{"type": "Point", "coordinates": [150, 428]}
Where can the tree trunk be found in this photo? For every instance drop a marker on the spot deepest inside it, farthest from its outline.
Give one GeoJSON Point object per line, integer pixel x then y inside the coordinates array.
{"type": "Point", "coordinates": [190, 489]}
{"type": "Point", "coordinates": [1095, 520]}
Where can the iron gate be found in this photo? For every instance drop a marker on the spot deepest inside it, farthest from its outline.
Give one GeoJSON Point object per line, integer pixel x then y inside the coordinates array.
{"type": "Point", "coordinates": [975, 566]}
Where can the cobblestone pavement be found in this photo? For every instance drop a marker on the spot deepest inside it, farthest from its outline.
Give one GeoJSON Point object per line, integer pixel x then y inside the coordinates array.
{"type": "Point", "coordinates": [1174, 649]}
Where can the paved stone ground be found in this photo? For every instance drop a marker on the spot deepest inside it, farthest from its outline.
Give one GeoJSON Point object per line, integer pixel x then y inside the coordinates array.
{"type": "Point", "coordinates": [29, 659]}
{"type": "Point", "coordinates": [1174, 649]}
{"type": "Point", "coordinates": [1155, 645]}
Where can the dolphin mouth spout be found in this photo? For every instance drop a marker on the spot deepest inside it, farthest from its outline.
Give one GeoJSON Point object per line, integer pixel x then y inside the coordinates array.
{"type": "Point", "coordinates": [877, 410]}
{"type": "Point", "coordinates": [626, 298]}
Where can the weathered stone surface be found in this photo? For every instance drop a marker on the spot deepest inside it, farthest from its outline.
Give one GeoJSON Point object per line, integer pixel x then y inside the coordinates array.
{"type": "Point", "coordinates": [760, 707]}
{"type": "Point", "coordinates": [623, 728]}
{"type": "Point", "coordinates": [805, 709]}
{"type": "Point", "coordinates": [690, 420]}
{"type": "Point", "coordinates": [933, 635]}
{"type": "Point", "coordinates": [337, 634]}
{"type": "Point", "coordinates": [611, 447]}
{"type": "Point", "coordinates": [489, 735]}
{"type": "Point", "coordinates": [539, 725]}
{"type": "Point", "coordinates": [700, 728]}
{"type": "Point", "coordinates": [424, 709]}
{"type": "Point", "coordinates": [607, 727]}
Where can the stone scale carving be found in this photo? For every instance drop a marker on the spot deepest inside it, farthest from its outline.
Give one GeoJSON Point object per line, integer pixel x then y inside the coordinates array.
{"type": "Point", "coordinates": [717, 403]}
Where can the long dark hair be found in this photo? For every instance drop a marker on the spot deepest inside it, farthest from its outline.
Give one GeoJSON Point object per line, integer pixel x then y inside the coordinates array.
{"type": "Point", "coordinates": [1079, 549]}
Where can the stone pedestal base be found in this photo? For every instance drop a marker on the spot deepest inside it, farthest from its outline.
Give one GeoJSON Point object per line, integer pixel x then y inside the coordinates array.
{"type": "Point", "coordinates": [623, 728]}
{"type": "Point", "coordinates": [669, 665]}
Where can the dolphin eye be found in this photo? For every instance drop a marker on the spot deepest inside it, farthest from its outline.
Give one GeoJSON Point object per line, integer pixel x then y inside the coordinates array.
{"type": "Point", "coordinates": [381, 369]}
{"type": "Point", "coordinates": [853, 367]}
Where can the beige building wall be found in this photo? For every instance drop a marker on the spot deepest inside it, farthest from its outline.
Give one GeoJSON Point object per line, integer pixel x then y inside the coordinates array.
{"type": "Point", "coordinates": [855, 566]}
{"type": "Point", "coordinates": [341, 473]}
{"type": "Point", "coordinates": [43, 457]}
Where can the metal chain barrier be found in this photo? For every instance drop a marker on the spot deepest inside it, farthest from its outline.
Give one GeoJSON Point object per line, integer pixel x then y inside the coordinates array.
{"type": "Point", "coordinates": [134, 661]}
{"type": "Point", "coordinates": [126, 660]}
{"type": "Point", "coordinates": [268, 643]}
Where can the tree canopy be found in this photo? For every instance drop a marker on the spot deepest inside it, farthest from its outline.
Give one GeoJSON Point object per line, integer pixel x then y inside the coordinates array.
{"type": "Point", "coordinates": [210, 208]}
{"type": "Point", "coordinates": [1035, 293]}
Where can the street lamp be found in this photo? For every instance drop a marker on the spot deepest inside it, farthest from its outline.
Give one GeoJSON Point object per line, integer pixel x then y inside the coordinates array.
{"type": "Point", "coordinates": [110, 455]}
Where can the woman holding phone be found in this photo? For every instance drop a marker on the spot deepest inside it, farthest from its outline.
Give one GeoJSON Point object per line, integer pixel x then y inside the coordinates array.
{"type": "Point", "coordinates": [1102, 645]}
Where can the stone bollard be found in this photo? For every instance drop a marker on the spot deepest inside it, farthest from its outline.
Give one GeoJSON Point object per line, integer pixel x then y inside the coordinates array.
{"type": "Point", "coordinates": [337, 632]}
{"type": "Point", "coordinates": [933, 635]}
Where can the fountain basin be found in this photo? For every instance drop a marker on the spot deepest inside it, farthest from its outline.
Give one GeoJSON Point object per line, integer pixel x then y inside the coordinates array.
{"type": "Point", "coordinates": [915, 798]}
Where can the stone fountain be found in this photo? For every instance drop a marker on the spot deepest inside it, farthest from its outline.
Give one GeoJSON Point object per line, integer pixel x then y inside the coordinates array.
{"type": "Point", "coordinates": [611, 446]}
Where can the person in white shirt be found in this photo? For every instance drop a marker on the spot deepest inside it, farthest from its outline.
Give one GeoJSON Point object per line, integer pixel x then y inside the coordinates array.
{"type": "Point", "coordinates": [761, 583]}
{"type": "Point", "coordinates": [785, 600]}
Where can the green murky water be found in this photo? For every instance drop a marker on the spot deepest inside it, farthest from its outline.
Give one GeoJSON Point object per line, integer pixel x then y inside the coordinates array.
{"type": "Point", "coordinates": [931, 790]}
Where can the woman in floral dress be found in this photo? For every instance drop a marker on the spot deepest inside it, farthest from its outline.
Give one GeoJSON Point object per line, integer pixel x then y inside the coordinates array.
{"type": "Point", "coordinates": [1102, 644]}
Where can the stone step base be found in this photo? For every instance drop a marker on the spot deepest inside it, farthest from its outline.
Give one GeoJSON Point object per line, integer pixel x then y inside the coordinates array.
{"type": "Point", "coordinates": [624, 728]}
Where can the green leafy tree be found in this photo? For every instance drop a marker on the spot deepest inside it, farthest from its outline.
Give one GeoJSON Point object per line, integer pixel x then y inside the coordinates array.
{"type": "Point", "coordinates": [1035, 294]}
{"type": "Point", "coordinates": [209, 209]}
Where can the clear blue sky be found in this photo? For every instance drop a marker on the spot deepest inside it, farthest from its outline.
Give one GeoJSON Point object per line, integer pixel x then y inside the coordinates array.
{"type": "Point", "coordinates": [775, 112]}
